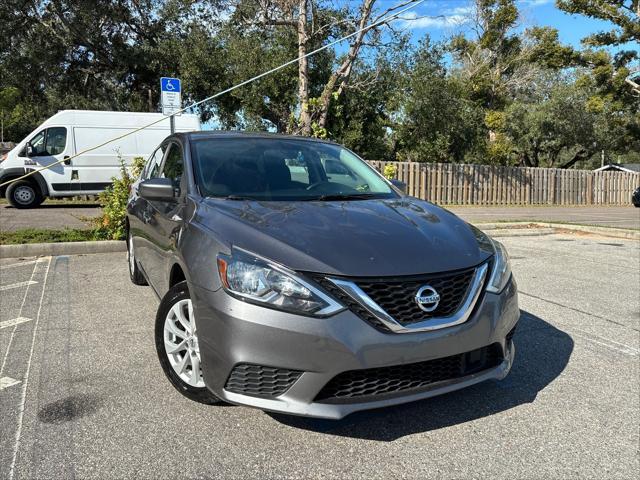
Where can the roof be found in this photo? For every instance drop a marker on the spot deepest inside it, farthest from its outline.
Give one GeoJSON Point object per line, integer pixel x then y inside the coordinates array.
{"type": "Point", "coordinates": [620, 167]}
{"type": "Point", "coordinates": [235, 134]}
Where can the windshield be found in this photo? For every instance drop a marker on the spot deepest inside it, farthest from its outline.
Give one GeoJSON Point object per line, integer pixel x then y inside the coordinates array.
{"type": "Point", "coordinates": [278, 169]}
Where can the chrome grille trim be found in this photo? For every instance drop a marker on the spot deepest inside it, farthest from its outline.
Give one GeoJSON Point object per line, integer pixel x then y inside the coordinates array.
{"type": "Point", "coordinates": [434, 323]}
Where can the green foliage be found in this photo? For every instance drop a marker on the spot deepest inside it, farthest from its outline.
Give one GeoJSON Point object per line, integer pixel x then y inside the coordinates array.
{"type": "Point", "coordinates": [623, 14]}
{"type": "Point", "coordinates": [111, 225]}
{"type": "Point", "coordinates": [390, 171]}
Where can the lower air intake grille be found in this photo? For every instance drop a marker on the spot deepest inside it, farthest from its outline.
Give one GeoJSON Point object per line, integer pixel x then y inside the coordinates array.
{"type": "Point", "coordinates": [374, 383]}
{"type": "Point", "coordinates": [260, 381]}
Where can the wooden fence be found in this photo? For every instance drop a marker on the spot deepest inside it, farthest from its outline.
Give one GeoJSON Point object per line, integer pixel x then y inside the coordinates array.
{"type": "Point", "coordinates": [458, 184]}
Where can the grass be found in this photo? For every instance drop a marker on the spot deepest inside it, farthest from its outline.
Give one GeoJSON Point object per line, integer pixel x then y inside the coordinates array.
{"type": "Point", "coordinates": [40, 235]}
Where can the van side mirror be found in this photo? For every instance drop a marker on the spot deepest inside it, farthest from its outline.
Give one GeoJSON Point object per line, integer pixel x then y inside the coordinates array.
{"type": "Point", "coordinates": [399, 185]}
{"type": "Point", "coordinates": [158, 189]}
{"type": "Point", "coordinates": [29, 150]}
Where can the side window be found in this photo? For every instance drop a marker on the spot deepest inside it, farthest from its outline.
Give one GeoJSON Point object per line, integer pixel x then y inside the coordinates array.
{"type": "Point", "coordinates": [56, 140]}
{"type": "Point", "coordinates": [152, 170]}
{"type": "Point", "coordinates": [174, 164]}
{"type": "Point", "coordinates": [51, 141]}
{"type": "Point", "coordinates": [37, 144]}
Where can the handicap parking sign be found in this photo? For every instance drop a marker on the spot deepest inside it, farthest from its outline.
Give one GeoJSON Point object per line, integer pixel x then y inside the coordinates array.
{"type": "Point", "coordinates": [170, 84]}
{"type": "Point", "coordinates": [171, 98]}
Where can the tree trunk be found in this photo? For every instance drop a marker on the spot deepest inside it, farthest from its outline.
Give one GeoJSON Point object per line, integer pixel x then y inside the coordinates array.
{"type": "Point", "coordinates": [303, 71]}
{"type": "Point", "coordinates": [577, 157]}
{"type": "Point", "coordinates": [341, 75]}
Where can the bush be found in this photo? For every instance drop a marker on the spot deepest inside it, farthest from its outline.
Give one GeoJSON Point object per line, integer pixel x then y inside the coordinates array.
{"type": "Point", "coordinates": [390, 171]}
{"type": "Point", "coordinates": [111, 225]}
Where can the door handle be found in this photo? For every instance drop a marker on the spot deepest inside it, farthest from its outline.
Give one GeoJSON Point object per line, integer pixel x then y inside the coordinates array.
{"type": "Point", "coordinates": [67, 160]}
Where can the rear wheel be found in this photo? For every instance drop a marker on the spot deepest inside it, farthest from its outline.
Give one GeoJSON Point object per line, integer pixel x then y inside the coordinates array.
{"type": "Point", "coordinates": [136, 276]}
{"type": "Point", "coordinates": [24, 194]}
{"type": "Point", "coordinates": [177, 345]}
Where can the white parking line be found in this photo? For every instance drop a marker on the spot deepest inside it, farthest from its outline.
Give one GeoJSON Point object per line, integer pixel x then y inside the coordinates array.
{"type": "Point", "coordinates": [13, 332]}
{"type": "Point", "coordinates": [13, 322]}
{"type": "Point", "coordinates": [6, 382]}
{"type": "Point", "coordinates": [23, 400]}
{"type": "Point", "coordinates": [607, 342]}
{"type": "Point", "coordinates": [20, 264]}
{"type": "Point", "coordinates": [16, 285]}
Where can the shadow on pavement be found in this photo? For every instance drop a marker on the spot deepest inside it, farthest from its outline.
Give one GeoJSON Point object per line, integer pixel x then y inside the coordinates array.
{"type": "Point", "coordinates": [542, 353]}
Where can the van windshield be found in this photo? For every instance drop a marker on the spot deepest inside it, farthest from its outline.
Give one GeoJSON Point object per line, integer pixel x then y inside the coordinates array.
{"type": "Point", "coordinates": [276, 169]}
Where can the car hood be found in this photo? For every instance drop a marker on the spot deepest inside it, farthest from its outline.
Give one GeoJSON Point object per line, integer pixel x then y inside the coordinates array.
{"type": "Point", "coordinates": [352, 238]}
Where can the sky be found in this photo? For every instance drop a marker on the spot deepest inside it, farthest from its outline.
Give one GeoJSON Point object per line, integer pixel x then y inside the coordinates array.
{"type": "Point", "coordinates": [441, 18]}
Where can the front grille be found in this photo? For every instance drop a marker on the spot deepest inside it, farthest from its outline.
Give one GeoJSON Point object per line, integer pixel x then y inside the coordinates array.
{"type": "Point", "coordinates": [384, 382]}
{"type": "Point", "coordinates": [350, 303]}
{"type": "Point", "coordinates": [396, 296]}
{"type": "Point", "coordinates": [260, 381]}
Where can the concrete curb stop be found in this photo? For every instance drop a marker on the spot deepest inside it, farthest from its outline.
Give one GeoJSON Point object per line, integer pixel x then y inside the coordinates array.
{"type": "Point", "coordinates": [62, 248]}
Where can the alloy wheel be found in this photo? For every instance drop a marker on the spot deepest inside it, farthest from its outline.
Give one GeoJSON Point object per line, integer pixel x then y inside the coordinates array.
{"type": "Point", "coordinates": [181, 343]}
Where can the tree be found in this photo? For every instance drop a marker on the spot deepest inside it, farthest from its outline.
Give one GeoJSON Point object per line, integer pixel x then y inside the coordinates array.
{"type": "Point", "coordinates": [623, 14]}
{"type": "Point", "coordinates": [102, 55]}
{"type": "Point", "coordinates": [565, 123]}
{"type": "Point", "coordinates": [436, 122]}
{"type": "Point", "coordinates": [315, 22]}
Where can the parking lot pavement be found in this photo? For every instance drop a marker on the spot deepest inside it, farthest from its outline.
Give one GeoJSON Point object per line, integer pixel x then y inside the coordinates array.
{"type": "Point", "coordinates": [91, 401]}
{"type": "Point", "coordinates": [48, 215]}
{"type": "Point", "coordinates": [605, 216]}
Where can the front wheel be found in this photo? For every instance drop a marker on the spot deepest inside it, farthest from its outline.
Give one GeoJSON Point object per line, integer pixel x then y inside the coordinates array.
{"type": "Point", "coordinates": [24, 194]}
{"type": "Point", "coordinates": [177, 345]}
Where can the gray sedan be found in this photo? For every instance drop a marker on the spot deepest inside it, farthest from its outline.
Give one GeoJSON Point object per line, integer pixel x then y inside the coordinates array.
{"type": "Point", "coordinates": [294, 278]}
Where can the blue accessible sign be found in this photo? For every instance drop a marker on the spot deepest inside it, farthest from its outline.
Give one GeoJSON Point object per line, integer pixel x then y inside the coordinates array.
{"type": "Point", "coordinates": [171, 98]}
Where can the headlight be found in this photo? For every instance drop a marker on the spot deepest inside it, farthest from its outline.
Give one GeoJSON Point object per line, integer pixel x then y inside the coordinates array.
{"type": "Point", "coordinates": [260, 281]}
{"type": "Point", "coordinates": [501, 272]}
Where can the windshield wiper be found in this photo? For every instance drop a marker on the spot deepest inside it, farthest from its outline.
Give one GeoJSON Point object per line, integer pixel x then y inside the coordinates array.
{"type": "Point", "coordinates": [342, 196]}
{"type": "Point", "coordinates": [237, 197]}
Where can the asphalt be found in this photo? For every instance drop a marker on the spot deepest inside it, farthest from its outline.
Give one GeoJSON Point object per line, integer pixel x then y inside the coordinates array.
{"type": "Point", "coordinates": [92, 402]}
{"type": "Point", "coordinates": [52, 216]}
{"type": "Point", "coordinates": [56, 215]}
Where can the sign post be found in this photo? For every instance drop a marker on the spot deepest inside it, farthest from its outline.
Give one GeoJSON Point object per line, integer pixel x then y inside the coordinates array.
{"type": "Point", "coordinates": [171, 98]}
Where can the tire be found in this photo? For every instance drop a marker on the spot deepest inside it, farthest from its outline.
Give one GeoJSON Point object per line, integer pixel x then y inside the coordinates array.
{"type": "Point", "coordinates": [173, 324]}
{"type": "Point", "coordinates": [24, 194]}
{"type": "Point", "coordinates": [136, 276]}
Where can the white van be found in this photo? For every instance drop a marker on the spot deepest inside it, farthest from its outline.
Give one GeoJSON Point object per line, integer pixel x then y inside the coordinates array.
{"type": "Point", "coordinates": [71, 131]}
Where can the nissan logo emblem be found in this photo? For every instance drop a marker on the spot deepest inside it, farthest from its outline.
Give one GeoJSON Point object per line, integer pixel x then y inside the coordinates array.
{"type": "Point", "coordinates": [427, 298]}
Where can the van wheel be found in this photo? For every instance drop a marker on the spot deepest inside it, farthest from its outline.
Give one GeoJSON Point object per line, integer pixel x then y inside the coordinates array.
{"type": "Point", "coordinates": [23, 194]}
{"type": "Point", "coordinates": [136, 276]}
{"type": "Point", "coordinates": [177, 345]}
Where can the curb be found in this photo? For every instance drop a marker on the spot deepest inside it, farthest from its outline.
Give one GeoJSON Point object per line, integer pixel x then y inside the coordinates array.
{"type": "Point", "coordinates": [537, 228]}
{"type": "Point", "coordinates": [62, 248]}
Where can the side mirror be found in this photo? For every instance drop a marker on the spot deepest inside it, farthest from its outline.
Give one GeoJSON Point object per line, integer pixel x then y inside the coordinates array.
{"type": "Point", "coordinates": [158, 189]}
{"type": "Point", "coordinates": [399, 185]}
{"type": "Point", "coordinates": [29, 150]}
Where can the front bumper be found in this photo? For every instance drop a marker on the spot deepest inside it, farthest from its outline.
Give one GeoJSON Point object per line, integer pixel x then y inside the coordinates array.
{"type": "Point", "coordinates": [233, 332]}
